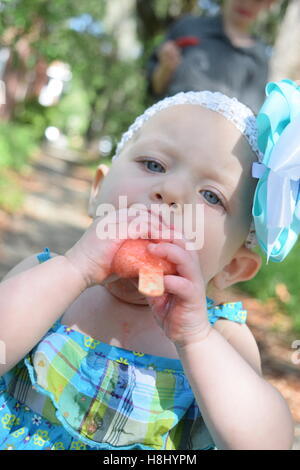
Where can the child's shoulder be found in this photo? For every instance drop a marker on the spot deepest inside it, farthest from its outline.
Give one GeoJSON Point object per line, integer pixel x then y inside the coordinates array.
{"type": "Point", "coordinates": [242, 340]}
{"type": "Point", "coordinates": [25, 264]}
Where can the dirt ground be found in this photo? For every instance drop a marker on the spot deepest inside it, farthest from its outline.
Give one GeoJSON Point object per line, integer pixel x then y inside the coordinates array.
{"type": "Point", "coordinates": [54, 216]}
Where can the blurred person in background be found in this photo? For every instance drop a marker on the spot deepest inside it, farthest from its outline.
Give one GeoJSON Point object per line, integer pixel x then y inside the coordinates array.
{"type": "Point", "coordinates": [217, 53]}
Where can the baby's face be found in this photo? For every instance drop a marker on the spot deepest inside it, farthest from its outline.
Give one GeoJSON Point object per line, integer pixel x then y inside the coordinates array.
{"type": "Point", "coordinates": [187, 154]}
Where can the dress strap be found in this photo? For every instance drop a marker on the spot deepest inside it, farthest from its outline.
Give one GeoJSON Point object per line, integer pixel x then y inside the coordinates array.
{"type": "Point", "coordinates": [44, 256]}
{"type": "Point", "coordinates": [233, 311]}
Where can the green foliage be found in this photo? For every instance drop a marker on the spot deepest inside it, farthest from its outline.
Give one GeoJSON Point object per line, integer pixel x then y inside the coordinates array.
{"type": "Point", "coordinates": [11, 197]}
{"type": "Point", "coordinates": [70, 115]}
{"type": "Point", "coordinates": [72, 112]}
{"type": "Point", "coordinates": [31, 115]}
{"type": "Point", "coordinates": [17, 143]}
{"type": "Point", "coordinates": [113, 88]}
{"type": "Point", "coordinates": [24, 13]}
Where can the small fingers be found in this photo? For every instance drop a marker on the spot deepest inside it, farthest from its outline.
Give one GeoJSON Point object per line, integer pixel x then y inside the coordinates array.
{"type": "Point", "coordinates": [187, 266]}
{"type": "Point", "coordinates": [179, 286]}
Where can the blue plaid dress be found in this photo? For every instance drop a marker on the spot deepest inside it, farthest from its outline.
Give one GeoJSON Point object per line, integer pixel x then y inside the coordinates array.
{"type": "Point", "coordinates": [72, 392]}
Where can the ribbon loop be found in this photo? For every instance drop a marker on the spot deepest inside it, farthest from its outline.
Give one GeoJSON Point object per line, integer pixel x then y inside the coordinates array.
{"type": "Point", "coordinates": [276, 202]}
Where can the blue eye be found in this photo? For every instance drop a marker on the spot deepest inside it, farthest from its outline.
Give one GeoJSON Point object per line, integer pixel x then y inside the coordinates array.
{"type": "Point", "coordinates": [152, 165]}
{"type": "Point", "coordinates": [212, 198]}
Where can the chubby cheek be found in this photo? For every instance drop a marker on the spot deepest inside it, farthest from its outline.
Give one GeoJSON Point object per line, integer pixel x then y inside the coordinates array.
{"type": "Point", "coordinates": [222, 237]}
{"type": "Point", "coordinates": [117, 184]}
{"type": "Point", "coordinates": [213, 246]}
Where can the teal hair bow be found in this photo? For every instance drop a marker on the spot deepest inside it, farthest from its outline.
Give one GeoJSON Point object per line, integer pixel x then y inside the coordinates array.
{"type": "Point", "coordinates": [276, 205]}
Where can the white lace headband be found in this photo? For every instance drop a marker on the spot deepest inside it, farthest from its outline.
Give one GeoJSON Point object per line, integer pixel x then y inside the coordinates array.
{"type": "Point", "coordinates": [239, 114]}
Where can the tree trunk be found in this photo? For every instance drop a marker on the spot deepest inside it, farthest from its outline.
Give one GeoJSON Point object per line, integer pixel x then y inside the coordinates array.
{"type": "Point", "coordinates": [285, 62]}
{"type": "Point", "coordinates": [21, 80]}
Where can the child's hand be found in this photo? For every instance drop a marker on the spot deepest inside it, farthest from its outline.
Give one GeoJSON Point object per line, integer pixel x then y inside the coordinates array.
{"type": "Point", "coordinates": [181, 311]}
{"type": "Point", "coordinates": [169, 56]}
{"type": "Point", "coordinates": [92, 255]}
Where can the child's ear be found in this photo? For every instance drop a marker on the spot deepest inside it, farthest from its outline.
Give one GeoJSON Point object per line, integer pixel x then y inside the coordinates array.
{"type": "Point", "coordinates": [244, 266]}
{"type": "Point", "coordinates": [101, 172]}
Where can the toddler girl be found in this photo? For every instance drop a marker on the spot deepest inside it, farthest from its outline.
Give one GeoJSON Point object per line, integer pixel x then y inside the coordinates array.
{"type": "Point", "coordinates": [90, 363]}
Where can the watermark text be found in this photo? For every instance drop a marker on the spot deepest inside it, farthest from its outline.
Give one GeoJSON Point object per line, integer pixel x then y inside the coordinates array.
{"type": "Point", "coordinates": [184, 222]}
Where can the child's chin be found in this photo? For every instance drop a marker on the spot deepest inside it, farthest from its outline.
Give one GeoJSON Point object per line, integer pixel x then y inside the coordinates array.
{"type": "Point", "coordinates": [127, 290]}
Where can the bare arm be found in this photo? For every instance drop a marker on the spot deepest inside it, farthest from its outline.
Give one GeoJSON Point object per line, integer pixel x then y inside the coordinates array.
{"type": "Point", "coordinates": [241, 410]}
{"type": "Point", "coordinates": [160, 79]}
{"type": "Point", "coordinates": [31, 301]}
{"type": "Point", "coordinates": [169, 58]}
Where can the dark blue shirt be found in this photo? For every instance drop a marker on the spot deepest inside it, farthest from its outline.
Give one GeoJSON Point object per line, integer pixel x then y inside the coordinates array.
{"type": "Point", "coordinates": [215, 64]}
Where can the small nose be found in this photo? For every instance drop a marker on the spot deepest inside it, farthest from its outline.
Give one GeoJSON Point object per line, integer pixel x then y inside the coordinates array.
{"type": "Point", "coordinates": [158, 198]}
{"type": "Point", "coordinates": [171, 191]}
